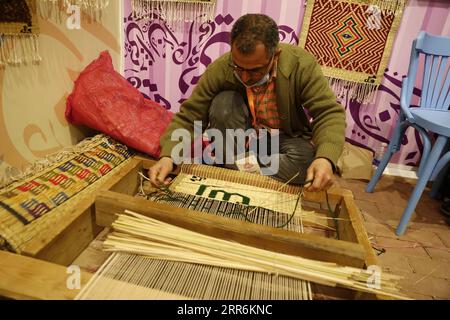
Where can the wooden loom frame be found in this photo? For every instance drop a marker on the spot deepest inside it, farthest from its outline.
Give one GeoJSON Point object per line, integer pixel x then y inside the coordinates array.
{"type": "Point", "coordinates": [51, 252]}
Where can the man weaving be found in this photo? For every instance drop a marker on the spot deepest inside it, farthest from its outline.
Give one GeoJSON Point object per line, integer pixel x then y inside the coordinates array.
{"type": "Point", "coordinates": [262, 83]}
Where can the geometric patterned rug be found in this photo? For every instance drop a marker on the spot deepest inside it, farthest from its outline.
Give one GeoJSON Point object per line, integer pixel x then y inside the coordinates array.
{"type": "Point", "coordinates": [32, 204]}
{"type": "Point", "coordinates": [352, 41]}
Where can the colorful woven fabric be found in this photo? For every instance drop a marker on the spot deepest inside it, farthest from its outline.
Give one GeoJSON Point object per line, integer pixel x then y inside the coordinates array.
{"type": "Point", "coordinates": [18, 32]}
{"type": "Point", "coordinates": [352, 41]}
{"type": "Point", "coordinates": [25, 203]}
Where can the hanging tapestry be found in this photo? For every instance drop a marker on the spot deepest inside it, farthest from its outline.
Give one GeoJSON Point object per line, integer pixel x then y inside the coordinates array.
{"type": "Point", "coordinates": [352, 41]}
{"type": "Point", "coordinates": [175, 12]}
{"type": "Point", "coordinates": [18, 32]}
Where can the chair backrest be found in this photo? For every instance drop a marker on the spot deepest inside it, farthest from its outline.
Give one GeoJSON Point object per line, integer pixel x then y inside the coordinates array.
{"type": "Point", "coordinates": [436, 74]}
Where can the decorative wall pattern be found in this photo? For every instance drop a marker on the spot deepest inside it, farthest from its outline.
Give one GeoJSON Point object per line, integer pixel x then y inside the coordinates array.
{"type": "Point", "coordinates": [165, 64]}
{"type": "Point", "coordinates": [33, 96]}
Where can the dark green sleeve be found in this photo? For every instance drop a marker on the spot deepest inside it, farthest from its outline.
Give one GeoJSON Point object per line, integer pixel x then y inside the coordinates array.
{"type": "Point", "coordinates": [196, 108]}
{"type": "Point", "coordinates": [328, 115]}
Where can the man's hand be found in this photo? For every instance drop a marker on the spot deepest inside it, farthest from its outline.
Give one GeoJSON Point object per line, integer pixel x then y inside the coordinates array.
{"type": "Point", "coordinates": [158, 173]}
{"type": "Point", "coordinates": [321, 172]}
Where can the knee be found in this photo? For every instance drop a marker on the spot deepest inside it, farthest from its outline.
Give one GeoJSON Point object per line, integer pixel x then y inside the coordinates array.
{"type": "Point", "coordinates": [292, 171]}
{"type": "Point", "coordinates": [302, 152]}
{"type": "Point", "coordinates": [226, 106]}
{"type": "Point", "coordinates": [295, 158]}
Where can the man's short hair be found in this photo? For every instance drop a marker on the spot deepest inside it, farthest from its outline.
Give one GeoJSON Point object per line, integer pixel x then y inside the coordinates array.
{"type": "Point", "coordinates": [251, 29]}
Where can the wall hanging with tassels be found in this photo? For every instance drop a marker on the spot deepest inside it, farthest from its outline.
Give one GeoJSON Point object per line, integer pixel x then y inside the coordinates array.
{"type": "Point", "coordinates": [352, 41]}
{"type": "Point", "coordinates": [19, 32]}
{"type": "Point", "coordinates": [175, 12]}
{"type": "Point", "coordinates": [19, 29]}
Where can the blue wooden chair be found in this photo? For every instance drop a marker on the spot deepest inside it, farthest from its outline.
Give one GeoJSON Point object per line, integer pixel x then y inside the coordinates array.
{"type": "Point", "coordinates": [431, 118]}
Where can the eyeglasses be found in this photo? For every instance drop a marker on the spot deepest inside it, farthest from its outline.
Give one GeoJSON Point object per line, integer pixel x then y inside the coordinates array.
{"type": "Point", "coordinates": [256, 72]}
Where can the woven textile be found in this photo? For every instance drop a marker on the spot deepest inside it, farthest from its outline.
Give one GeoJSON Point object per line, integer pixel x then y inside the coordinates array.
{"type": "Point", "coordinates": [352, 41]}
{"type": "Point", "coordinates": [28, 206]}
{"type": "Point", "coordinates": [245, 196]}
{"type": "Point", "coordinates": [18, 17]}
{"type": "Point", "coordinates": [18, 32]}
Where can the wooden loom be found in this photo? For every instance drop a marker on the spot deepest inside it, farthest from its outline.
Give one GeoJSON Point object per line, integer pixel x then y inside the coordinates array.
{"type": "Point", "coordinates": [117, 194]}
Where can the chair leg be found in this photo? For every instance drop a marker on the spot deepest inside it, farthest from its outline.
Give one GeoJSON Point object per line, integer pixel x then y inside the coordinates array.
{"type": "Point", "coordinates": [394, 146]}
{"type": "Point", "coordinates": [426, 148]}
{"type": "Point", "coordinates": [383, 163]}
{"type": "Point", "coordinates": [439, 174]}
{"type": "Point", "coordinates": [421, 183]}
{"type": "Point", "coordinates": [436, 187]}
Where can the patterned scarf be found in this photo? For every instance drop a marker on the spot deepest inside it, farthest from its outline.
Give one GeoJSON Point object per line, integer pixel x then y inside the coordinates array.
{"type": "Point", "coordinates": [18, 32]}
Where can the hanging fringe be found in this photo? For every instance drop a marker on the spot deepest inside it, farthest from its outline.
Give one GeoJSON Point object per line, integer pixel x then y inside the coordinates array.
{"type": "Point", "coordinates": [387, 7]}
{"type": "Point", "coordinates": [16, 49]}
{"type": "Point", "coordinates": [364, 93]}
{"type": "Point", "coordinates": [52, 8]}
{"type": "Point", "coordinates": [175, 12]}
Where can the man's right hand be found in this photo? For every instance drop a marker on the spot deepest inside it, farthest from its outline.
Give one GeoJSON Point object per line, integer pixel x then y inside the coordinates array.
{"type": "Point", "coordinates": [159, 172]}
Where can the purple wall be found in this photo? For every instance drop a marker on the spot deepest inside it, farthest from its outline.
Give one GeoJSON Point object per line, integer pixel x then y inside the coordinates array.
{"type": "Point", "coordinates": [165, 65]}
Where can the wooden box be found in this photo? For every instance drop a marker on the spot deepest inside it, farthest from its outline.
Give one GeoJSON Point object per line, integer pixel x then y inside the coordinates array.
{"type": "Point", "coordinates": [63, 244]}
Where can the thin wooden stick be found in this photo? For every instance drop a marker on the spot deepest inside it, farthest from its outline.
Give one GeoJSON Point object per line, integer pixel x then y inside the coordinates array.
{"type": "Point", "coordinates": [139, 234]}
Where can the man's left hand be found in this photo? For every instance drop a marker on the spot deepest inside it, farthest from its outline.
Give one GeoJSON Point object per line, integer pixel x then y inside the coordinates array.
{"type": "Point", "coordinates": [321, 172]}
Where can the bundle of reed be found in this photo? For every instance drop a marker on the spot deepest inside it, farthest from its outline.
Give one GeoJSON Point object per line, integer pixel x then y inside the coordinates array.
{"type": "Point", "coordinates": [138, 234]}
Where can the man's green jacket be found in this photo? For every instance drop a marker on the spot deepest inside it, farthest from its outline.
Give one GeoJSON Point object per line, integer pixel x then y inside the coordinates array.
{"type": "Point", "coordinates": [300, 86]}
